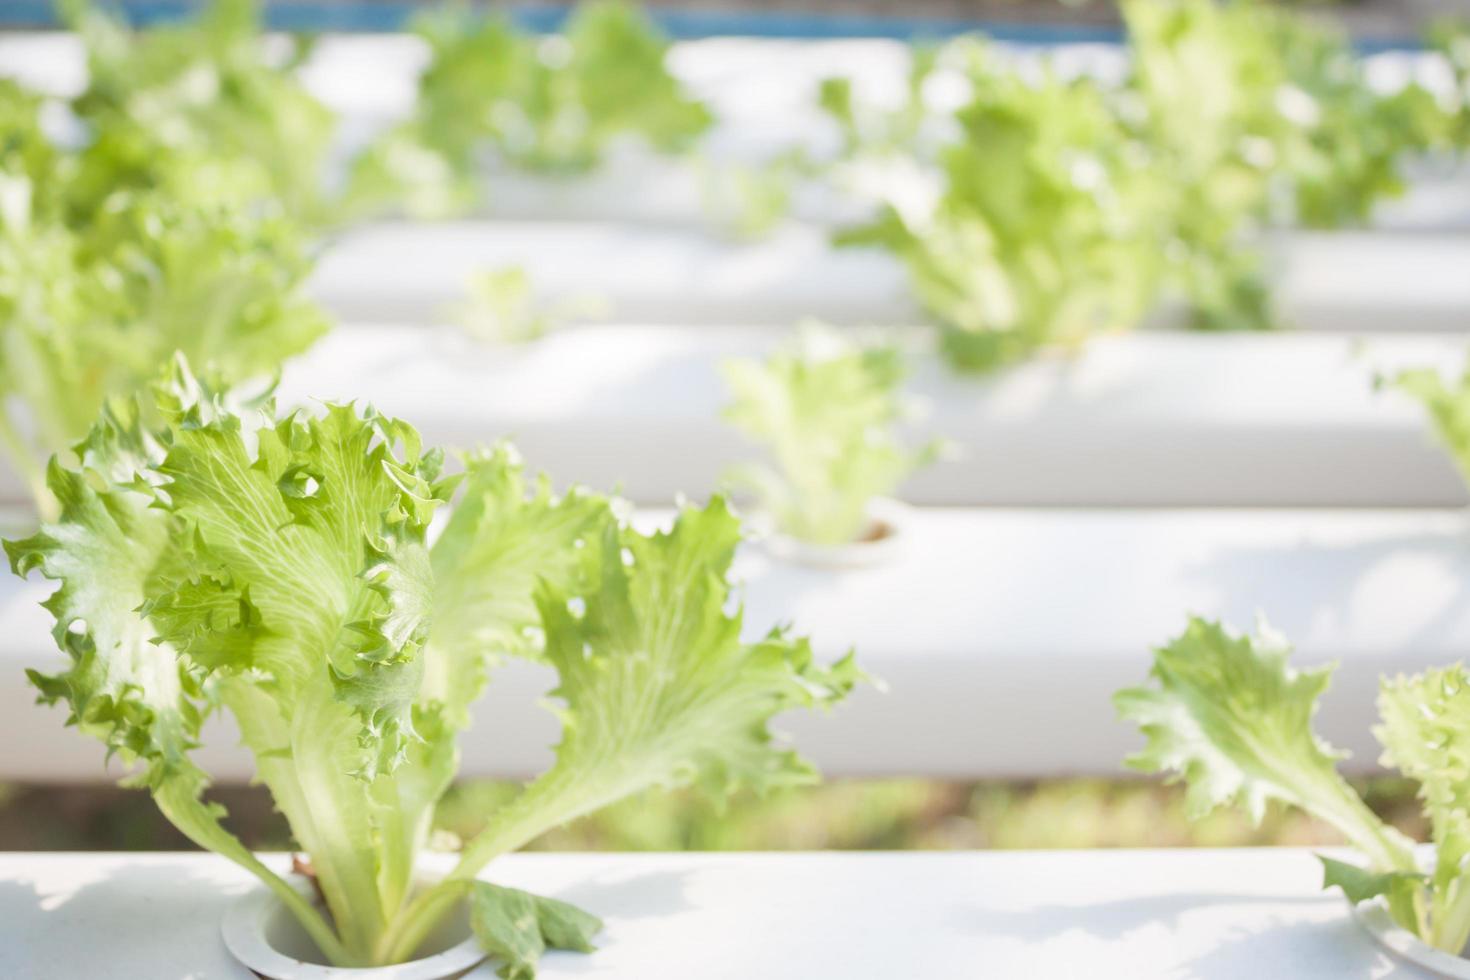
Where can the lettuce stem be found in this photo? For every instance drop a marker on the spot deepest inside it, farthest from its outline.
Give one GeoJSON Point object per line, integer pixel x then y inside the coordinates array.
{"type": "Point", "coordinates": [1451, 927]}
{"type": "Point", "coordinates": [557, 797]}
{"type": "Point", "coordinates": [180, 803]}
{"type": "Point", "coordinates": [308, 916]}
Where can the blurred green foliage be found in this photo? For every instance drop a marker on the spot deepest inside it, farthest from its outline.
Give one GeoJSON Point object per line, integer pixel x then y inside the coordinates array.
{"type": "Point", "coordinates": [891, 814]}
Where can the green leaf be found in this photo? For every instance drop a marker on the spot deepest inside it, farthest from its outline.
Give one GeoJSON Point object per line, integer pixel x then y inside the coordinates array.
{"type": "Point", "coordinates": [122, 688]}
{"type": "Point", "coordinates": [1230, 717]}
{"type": "Point", "coordinates": [338, 578]}
{"type": "Point", "coordinates": [657, 686]}
{"type": "Point", "coordinates": [137, 695]}
{"type": "Point", "coordinates": [516, 927]}
{"type": "Point", "coordinates": [173, 224]}
{"type": "Point", "coordinates": [501, 540]}
{"type": "Point", "coordinates": [655, 665]}
{"type": "Point", "coordinates": [1360, 884]}
{"type": "Point", "coordinates": [1253, 115]}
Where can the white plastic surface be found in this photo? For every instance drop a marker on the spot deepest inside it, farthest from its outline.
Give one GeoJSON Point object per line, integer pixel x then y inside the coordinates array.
{"type": "Point", "coordinates": [887, 538]}
{"type": "Point", "coordinates": [1373, 916]}
{"type": "Point", "coordinates": [1101, 915]}
{"type": "Point", "coordinates": [1330, 282]}
{"type": "Point", "coordinates": [1149, 419]}
{"type": "Point", "coordinates": [1001, 636]}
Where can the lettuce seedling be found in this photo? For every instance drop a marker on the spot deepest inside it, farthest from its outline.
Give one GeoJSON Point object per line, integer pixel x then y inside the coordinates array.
{"type": "Point", "coordinates": [103, 278]}
{"type": "Point", "coordinates": [826, 409]}
{"type": "Point", "coordinates": [502, 308]}
{"type": "Point", "coordinates": [1229, 717]}
{"type": "Point", "coordinates": [1032, 241]}
{"type": "Point", "coordinates": [281, 568]}
{"type": "Point", "coordinates": [209, 86]}
{"type": "Point", "coordinates": [551, 104]}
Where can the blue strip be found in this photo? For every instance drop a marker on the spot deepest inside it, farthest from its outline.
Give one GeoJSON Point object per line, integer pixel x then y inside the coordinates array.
{"type": "Point", "coordinates": [323, 16]}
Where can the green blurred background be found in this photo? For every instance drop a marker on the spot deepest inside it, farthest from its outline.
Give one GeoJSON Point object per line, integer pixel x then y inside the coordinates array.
{"type": "Point", "coordinates": [841, 814]}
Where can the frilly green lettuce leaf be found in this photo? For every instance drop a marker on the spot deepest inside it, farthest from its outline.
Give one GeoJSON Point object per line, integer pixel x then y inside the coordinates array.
{"type": "Point", "coordinates": [502, 539]}
{"type": "Point", "coordinates": [125, 687]}
{"type": "Point", "coordinates": [1231, 719]}
{"type": "Point", "coordinates": [655, 684]}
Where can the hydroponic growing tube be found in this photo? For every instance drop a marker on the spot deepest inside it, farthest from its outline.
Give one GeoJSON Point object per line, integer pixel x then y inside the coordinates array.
{"type": "Point", "coordinates": [1010, 620]}
{"type": "Point", "coordinates": [1125, 914]}
{"type": "Point", "coordinates": [1148, 419]}
{"type": "Point", "coordinates": [1152, 418]}
{"type": "Point", "coordinates": [1328, 282]}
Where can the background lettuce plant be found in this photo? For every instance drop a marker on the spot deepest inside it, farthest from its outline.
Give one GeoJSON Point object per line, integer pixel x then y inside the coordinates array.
{"type": "Point", "coordinates": [1032, 241]}
{"type": "Point", "coordinates": [1250, 116]}
{"type": "Point", "coordinates": [107, 270]}
{"type": "Point", "coordinates": [1227, 715]}
{"type": "Point", "coordinates": [280, 568]}
{"type": "Point", "coordinates": [210, 86]}
{"type": "Point", "coordinates": [826, 408]}
{"type": "Point", "coordinates": [1066, 207]}
{"type": "Point", "coordinates": [501, 307]}
{"type": "Point", "coordinates": [553, 104]}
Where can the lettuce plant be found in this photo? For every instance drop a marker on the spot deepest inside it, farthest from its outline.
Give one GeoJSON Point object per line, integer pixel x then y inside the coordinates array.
{"type": "Point", "coordinates": [208, 86]}
{"type": "Point", "coordinates": [1346, 152]}
{"type": "Point", "coordinates": [826, 409]}
{"type": "Point", "coordinates": [552, 104]}
{"type": "Point", "coordinates": [1066, 207]}
{"type": "Point", "coordinates": [1032, 241]}
{"type": "Point", "coordinates": [502, 308]}
{"type": "Point", "coordinates": [281, 568]}
{"type": "Point", "coordinates": [1249, 114]}
{"type": "Point", "coordinates": [1227, 715]}
{"type": "Point", "coordinates": [1200, 99]}
{"type": "Point", "coordinates": [103, 278]}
